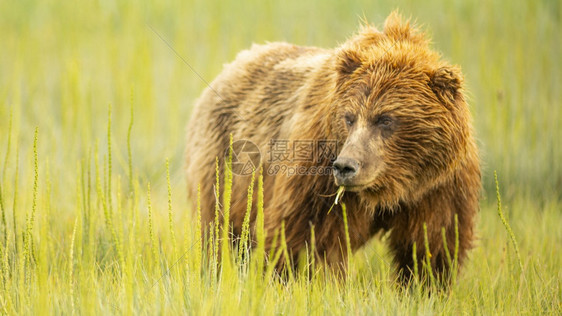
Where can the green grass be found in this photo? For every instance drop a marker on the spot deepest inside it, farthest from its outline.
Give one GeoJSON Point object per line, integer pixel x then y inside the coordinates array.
{"type": "Point", "coordinates": [80, 232]}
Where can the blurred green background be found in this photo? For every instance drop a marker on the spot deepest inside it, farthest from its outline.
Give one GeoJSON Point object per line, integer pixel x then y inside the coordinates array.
{"type": "Point", "coordinates": [63, 63]}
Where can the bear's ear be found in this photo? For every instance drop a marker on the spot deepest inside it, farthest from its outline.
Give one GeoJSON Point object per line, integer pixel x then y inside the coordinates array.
{"type": "Point", "coordinates": [446, 83]}
{"type": "Point", "coordinates": [348, 60]}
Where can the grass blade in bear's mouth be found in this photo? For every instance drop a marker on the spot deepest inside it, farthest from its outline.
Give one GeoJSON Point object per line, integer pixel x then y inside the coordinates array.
{"type": "Point", "coordinates": [339, 195]}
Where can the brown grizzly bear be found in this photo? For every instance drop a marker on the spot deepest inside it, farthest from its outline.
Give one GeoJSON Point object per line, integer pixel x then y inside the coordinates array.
{"type": "Point", "coordinates": [382, 115]}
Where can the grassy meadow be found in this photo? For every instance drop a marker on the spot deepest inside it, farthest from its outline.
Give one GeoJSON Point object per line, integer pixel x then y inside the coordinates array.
{"type": "Point", "coordinates": [94, 99]}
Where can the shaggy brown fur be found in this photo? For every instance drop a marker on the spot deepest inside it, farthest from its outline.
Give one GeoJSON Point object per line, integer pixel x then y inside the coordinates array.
{"type": "Point", "coordinates": [399, 117]}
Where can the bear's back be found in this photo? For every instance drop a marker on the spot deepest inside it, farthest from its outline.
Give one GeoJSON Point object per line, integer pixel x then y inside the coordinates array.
{"type": "Point", "coordinates": [254, 98]}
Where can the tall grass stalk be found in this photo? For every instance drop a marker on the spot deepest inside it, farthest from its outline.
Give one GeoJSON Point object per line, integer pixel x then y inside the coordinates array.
{"type": "Point", "coordinates": [245, 240]}
{"type": "Point", "coordinates": [86, 190]}
{"type": "Point", "coordinates": [106, 209]}
{"type": "Point", "coordinates": [99, 190]}
{"type": "Point", "coordinates": [507, 226]}
{"type": "Point", "coordinates": [349, 253]}
{"type": "Point", "coordinates": [71, 267]}
{"type": "Point", "coordinates": [446, 248]}
{"type": "Point", "coordinates": [428, 255]}
{"type": "Point", "coordinates": [215, 240]}
{"type": "Point", "coordinates": [31, 218]}
{"type": "Point", "coordinates": [170, 213]}
{"type": "Point", "coordinates": [259, 252]}
{"type": "Point", "coordinates": [456, 255]}
{"type": "Point", "coordinates": [286, 256]}
{"type": "Point", "coordinates": [415, 261]}
{"type": "Point", "coordinates": [450, 262]}
{"type": "Point", "coordinates": [118, 230]}
{"type": "Point", "coordinates": [227, 195]}
{"type": "Point", "coordinates": [198, 242]}
{"type": "Point", "coordinates": [81, 210]}
{"type": "Point", "coordinates": [349, 256]}
{"type": "Point", "coordinates": [312, 268]}
{"type": "Point", "coordinates": [274, 256]}
{"type": "Point", "coordinates": [153, 246]}
{"type": "Point", "coordinates": [14, 203]}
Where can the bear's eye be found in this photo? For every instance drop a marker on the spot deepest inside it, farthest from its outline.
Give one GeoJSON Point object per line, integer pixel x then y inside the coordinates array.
{"type": "Point", "coordinates": [349, 119]}
{"type": "Point", "coordinates": [384, 121]}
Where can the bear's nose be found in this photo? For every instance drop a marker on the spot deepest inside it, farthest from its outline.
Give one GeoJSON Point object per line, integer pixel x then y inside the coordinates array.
{"type": "Point", "coordinates": [345, 169]}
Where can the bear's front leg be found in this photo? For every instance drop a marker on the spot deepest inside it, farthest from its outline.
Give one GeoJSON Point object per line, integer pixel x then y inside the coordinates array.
{"type": "Point", "coordinates": [442, 254]}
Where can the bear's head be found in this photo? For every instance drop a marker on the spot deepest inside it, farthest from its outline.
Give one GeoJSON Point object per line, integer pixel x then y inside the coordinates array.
{"type": "Point", "coordinates": [399, 115]}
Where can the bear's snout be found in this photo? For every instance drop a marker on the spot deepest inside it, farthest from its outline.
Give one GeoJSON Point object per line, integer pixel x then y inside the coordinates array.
{"type": "Point", "coordinates": [345, 170]}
